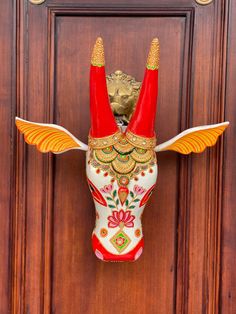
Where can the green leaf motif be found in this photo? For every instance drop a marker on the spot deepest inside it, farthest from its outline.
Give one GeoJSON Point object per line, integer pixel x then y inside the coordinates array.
{"type": "Point", "coordinates": [126, 202]}
{"type": "Point", "coordinates": [111, 206]}
{"type": "Point", "coordinates": [117, 202]}
{"type": "Point", "coordinates": [132, 194]}
{"type": "Point", "coordinates": [108, 198]}
{"type": "Point", "coordinates": [137, 200]}
{"type": "Point", "coordinates": [132, 206]}
{"type": "Point", "coordinates": [114, 193]}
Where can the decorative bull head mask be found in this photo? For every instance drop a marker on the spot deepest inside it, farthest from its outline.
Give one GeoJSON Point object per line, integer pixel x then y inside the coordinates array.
{"type": "Point", "coordinates": [121, 163]}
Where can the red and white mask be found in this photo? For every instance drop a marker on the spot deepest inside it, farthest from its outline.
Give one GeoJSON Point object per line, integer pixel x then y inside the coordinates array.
{"type": "Point", "coordinates": [121, 163]}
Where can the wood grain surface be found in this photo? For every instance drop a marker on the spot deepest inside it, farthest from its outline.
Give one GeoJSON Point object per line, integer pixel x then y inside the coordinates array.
{"type": "Point", "coordinates": [7, 155]}
{"type": "Point", "coordinates": [47, 214]}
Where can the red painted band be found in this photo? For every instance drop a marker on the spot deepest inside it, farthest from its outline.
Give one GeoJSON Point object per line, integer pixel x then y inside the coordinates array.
{"type": "Point", "coordinates": [103, 254]}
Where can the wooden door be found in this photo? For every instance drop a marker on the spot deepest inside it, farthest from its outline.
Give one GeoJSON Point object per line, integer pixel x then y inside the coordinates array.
{"type": "Point", "coordinates": [188, 224]}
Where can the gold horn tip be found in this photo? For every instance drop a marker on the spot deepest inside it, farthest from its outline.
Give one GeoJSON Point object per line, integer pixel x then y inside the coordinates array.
{"type": "Point", "coordinates": [99, 39]}
{"type": "Point", "coordinates": [98, 58]}
{"type": "Point", "coordinates": [153, 56]}
{"type": "Point", "coordinates": [155, 40]}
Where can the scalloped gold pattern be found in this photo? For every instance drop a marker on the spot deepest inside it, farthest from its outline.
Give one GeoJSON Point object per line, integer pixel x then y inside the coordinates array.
{"type": "Point", "coordinates": [124, 167]}
{"type": "Point", "coordinates": [142, 156]}
{"type": "Point", "coordinates": [105, 157]}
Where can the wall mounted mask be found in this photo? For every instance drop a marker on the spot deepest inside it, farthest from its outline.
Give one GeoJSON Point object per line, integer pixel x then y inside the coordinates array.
{"type": "Point", "coordinates": [121, 162]}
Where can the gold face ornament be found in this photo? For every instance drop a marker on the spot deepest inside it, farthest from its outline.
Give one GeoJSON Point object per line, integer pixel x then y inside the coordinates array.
{"type": "Point", "coordinates": [121, 162]}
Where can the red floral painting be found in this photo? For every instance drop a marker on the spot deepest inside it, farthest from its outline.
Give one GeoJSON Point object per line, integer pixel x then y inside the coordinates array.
{"type": "Point", "coordinates": [121, 219]}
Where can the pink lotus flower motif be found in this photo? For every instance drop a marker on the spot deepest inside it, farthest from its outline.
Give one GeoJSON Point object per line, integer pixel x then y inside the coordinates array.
{"type": "Point", "coordinates": [107, 188]}
{"type": "Point", "coordinates": [139, 190]}
{"type": "Point", "coordinates": [121, 218]}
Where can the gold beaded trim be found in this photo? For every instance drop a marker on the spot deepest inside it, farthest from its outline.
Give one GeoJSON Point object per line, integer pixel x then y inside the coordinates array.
{"type": "Point", "coordinates": [98, 58]}
{"type": "Point", "coordinates": [103, 142]}
{"type": "Point", "coordinates": [140, 141]}
{"type": "Point", "coordinates": [153, 56]}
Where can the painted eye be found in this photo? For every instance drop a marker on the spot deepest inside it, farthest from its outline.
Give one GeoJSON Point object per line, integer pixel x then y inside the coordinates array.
{"type": "Point", "coordinates": [96, 193]}
{"type": "Point", "coordinates": [146, 196]}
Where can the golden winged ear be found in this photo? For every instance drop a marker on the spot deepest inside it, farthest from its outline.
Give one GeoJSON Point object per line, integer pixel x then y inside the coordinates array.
{"type": "Point", "coordinates": [49, 137]}
{"type": "Point", "coordinates": [194, 140]}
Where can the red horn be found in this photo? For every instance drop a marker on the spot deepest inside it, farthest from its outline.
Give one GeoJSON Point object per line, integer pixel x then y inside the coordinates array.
{"type": "Point", "coordinates": [103, 123]}
{"type": "Point", "coordinates": [142, 122]}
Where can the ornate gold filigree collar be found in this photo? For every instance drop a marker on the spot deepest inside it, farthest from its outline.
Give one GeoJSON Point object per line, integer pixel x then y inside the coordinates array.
{"type": "Point", "coordinates": [116, 138]}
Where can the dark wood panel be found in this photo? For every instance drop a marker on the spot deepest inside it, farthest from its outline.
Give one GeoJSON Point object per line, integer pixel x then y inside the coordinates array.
{"type": "Point", "coordinates": [198, 278]}
{"type": "Point", "coordinates": [228, 278]}
{"type": "Point", "coordinates": [56, 270]}
{"type": "Point", "coordinates": [73, 209]}
{"type": "Point", "coordinates": [203, 209]}
{"type": "Point", "coordinates": [7, 110]}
